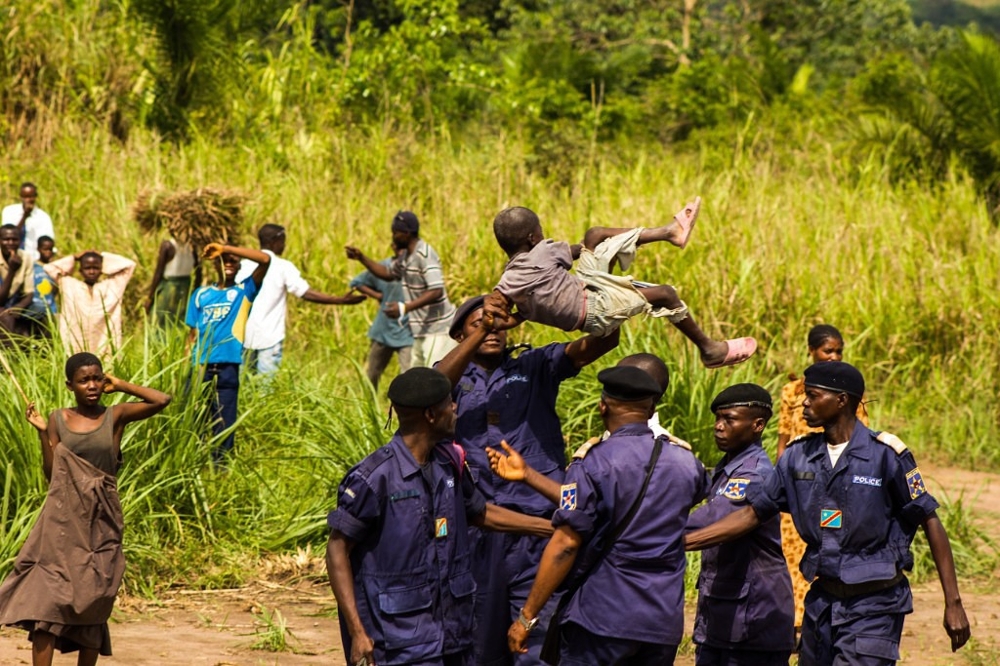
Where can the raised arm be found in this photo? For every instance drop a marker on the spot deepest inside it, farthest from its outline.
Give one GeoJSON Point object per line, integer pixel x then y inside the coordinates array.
{"type": "Point", "coordinates": [263, 259]}
{"type": "Point", "coordinates": [498, 519]}
{"type": "Point", "coordinates": [955, 621]}
{"type": "Point", "coordinates": [46, 436]}
{"type": "Point", "coordinates": [372, 266]}
{"type": "Point", "coordinates": [349, 298]}
{"type": "Point", "coordinates": [60, 267]}
{"type": "Point", "coordinates": [163, 257]}
{"type": "Point", "coordinates": [588, 349]}
{"type": "Point", "coordinates": [338, 568]}
{"type": "Point", "coordinates": [458, 359]}
{"type": "Point", "coordinates": [152, 401]}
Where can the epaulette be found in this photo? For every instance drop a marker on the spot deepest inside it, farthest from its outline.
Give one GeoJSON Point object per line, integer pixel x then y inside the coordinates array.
{"type": "Point", "coordinates": [581, 452]}
{"type": "Point", "coordinates": [893, 442]}
{"type": "Point", "coordinates": [375, 460]}
{"type": "Point", "coordinates": [678, 442]}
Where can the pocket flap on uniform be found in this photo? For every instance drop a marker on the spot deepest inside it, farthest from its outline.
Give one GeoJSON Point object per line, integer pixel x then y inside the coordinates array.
{"type": "Point", "coordinates": [396, 602]}
{"type": "Point", "coordinates": [876, 646]}
{"type": "Point", "coordinates": [725, 588]}
{"type": "Point", "coordinates": [462, 585]}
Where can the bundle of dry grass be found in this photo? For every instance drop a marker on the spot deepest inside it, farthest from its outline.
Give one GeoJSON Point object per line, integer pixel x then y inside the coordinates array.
{"type": "Point", "coordinates": [198, 217]}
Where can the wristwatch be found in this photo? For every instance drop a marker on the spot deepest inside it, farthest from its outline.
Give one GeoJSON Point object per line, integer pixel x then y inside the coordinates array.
{"type": "Point", "coordinates": [525, 622]}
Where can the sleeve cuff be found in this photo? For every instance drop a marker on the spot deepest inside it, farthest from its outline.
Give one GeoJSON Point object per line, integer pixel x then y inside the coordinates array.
{"type": "Point", "coordinates": [347, 525]}
{"type": "Point", "coordinates": [579, 521]}
{"type": "Point", "coordinates": [762, 504]}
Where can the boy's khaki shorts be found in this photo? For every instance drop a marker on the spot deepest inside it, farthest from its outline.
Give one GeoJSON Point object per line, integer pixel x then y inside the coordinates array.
{"type": "Point", "coordinates": [612, 299]}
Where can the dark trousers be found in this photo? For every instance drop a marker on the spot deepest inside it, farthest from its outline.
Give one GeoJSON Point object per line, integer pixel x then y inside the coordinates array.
{"type": "Point", "coordinates": [582, 648]}
{"type": "Point", "coordinates": [858, 631]}
{"type": "Point", "coordinates": [225, 378]}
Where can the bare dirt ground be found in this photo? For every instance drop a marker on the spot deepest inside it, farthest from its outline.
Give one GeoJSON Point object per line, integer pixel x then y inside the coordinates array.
{"type": "Point", "coordinates": [220, 628]}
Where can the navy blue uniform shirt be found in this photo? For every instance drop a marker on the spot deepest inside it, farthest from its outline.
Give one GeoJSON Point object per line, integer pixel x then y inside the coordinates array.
{"type": "Point", "coordinates": [517, 403]}
{"type": "Point", "coordinates": [858, 518]}
{"type": "Point", "coordinates": [412, 579]}
{"type": "Point", "coordinates": [636, 592]}
{"type": "Point", "coordinates": [744, 590]}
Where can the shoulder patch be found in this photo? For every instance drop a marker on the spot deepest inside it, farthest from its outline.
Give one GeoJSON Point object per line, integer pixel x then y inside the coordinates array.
{"type": "Point", "coordinates": [915, 483]}
{"type": "Point", "coordinates": [581, 452]}
{"type": "Point", "coordinates": [567, 497]}
{"type": "Point", "coordinates": [735, 489]}
{"type": "Point", "coordinates": [893, 442]}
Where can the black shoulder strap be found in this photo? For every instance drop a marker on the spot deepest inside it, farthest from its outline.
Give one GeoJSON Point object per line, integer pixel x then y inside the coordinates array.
{"type": "Point", "coordinates": [634, 509]}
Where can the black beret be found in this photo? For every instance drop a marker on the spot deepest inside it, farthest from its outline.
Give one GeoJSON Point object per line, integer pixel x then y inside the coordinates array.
{"type": "Point", "coordinates": [419, 387]}
{"type": "Point", "coordinates": [463, 312]}
{"type": "Point", "coordinates": [628, 384]}
{"type": "Point", "coordinates": [836, 376]}
{"type": "Point", "coordinates": [404, 220]}
{"type": "Point", "coordinates": [743, 395]}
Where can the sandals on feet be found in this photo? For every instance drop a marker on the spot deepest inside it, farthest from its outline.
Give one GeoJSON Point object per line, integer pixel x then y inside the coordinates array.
{"type": "Point", "coordinates": [740, 349]}
{"type": "Point", "coordinates": [685, 219]}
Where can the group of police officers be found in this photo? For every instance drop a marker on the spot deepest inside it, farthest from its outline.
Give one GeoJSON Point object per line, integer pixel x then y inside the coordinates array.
{"type": "Point", "coordinates": [465, 537]}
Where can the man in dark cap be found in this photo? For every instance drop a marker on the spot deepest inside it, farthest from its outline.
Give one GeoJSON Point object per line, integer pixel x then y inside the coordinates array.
{"type": "Point", "coordinates": [633, 494]}
{"type": "Point", "coordinates": [398, 554]}
{"type": "Point", "coordinates": [418, 267]}
{"type": "Point", "coordinates": [745, 608]}
{"type": "Point", "coordinates": [502, 396]}
{"type": "Point", "coordinates": [857, 499]}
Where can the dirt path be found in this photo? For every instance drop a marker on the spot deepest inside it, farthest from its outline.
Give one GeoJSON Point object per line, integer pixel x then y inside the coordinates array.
{"type": "Point", "coordinates": [219, 628]}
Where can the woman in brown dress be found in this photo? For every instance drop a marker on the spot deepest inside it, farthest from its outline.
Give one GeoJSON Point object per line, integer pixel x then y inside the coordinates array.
{"type": "Point", "coordinates": [825, 344]}
{"type": "Point", "coordinates": [68, 571]}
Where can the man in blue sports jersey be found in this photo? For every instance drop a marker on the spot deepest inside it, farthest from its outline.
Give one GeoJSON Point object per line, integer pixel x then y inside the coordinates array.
{"type": "Point", "coordinates": [217, 315]}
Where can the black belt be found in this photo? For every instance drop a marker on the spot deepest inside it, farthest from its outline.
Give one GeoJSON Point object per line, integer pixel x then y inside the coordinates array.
{"type": "Point", "coordinates": [842, 590]}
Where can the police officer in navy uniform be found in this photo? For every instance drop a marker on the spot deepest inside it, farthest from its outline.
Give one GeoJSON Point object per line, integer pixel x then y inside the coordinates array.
{"type": "Point", "coordinates": [398, 554]}
{"type": "Point", "coordinates": [629, 609]}
{"type": "Point", "coordinates": [501, 396]}
{"type": "Point", "coordinates": [745, 607]}
{"type": "Point", "coordinates": [857, 499]}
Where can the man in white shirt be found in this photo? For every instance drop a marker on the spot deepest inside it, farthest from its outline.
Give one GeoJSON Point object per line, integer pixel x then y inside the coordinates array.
{"type": "Point", "coordinates": [265, 331]}
{"type": "Point", "coordinates": [32, 222]}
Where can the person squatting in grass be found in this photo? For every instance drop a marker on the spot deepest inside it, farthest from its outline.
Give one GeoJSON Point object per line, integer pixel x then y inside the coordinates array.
{"type": "Point", "coordinates": [537, 281]}
{"type": "Point", "coordinates": [398, 555]}
{"type": "Point", "coordinates": [744, 615]}
{"type": "Point", "coordinates": [857, 499]}
{"type": "Point", "coordinates": [825, 343]}
{"type": "Point", "coordinates": [265, 334]}
{"type": "Point", "coordinates": [217, 316]}
{"type": "Point", "coordinates": [418, 267]}
{"type": "Point", "coordinates": [42, 309]}
{"type": "Point", "coordinates": [68, 571]}
{"type": "Point", "coordinates": [91, 316]}
{"type": "Point", "coordinates": [17, 282]}
{"type": "Point", "coordinates": [501, 395]}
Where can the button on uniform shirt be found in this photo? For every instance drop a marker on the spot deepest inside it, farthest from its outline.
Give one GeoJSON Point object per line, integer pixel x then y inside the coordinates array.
{"type": "Point", "coordinates": [858, 518]}
{"type": "Point", "coordinates": [540, 284]}
{"type": "Point", "coordinates": [220, 315]}
{"type": "Point", "coordinates": [636, 592]}
{"type": "Point", "coordinates": [385, 330]}
{"type": "Point", "coordinates": [517, 402]}
{"type": "Point", "coordinates": [744, 590]}
{"type": "Point", "coordinates": [420, 271]}
{"type": "Point", "coordinates": [37, 225]}
{"type": "Point", "coordinates": [266, 325]}
{"type": "Point", "coordinates": [412, 581]}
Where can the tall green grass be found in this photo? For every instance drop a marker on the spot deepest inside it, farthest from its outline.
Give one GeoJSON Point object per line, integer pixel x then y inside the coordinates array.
{"type": "Point", "coordinates": [793, 232]}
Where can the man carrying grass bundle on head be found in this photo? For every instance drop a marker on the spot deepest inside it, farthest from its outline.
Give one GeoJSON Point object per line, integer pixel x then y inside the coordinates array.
{"type": "Point", "coordinates": [217, 315]}
{"type": "Point", "coordinates": [537, 282]}
{"type": "Point", "coordinates": [91, 317]}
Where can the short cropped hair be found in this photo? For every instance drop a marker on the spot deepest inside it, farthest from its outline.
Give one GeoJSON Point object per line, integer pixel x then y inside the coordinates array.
{"type": "Point", "coordinates": [512, 226]}
{"type": "Point", "coordinates": [269, 233]}
{"type": "Point", "coordinates": [9, 226]}
{"type": "Point", "coordinates": [820, 333]}
{"type": "Point", "coordinates": [652, 365]}
{"type": "Point", "coordinates": [28, 183]}
{"type": "Point", "coordinates": [46, 239]}
{"type": "Point", "coordinates": [81, 360]}
{"type": "Point", "coordinates": [91, 253]}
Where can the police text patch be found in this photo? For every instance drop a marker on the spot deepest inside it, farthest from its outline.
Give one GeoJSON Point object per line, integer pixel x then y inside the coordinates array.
{"type": "Point", "coordinates": [915, 483]}
{"type": "Point", "coordinates": [567, 497]}
{"type": "Point", "coordinates": [735, 489]}
{"type": "Point", "coordinates": [831, 518]}
{"type": "Point", "coordinates": [867, 481]}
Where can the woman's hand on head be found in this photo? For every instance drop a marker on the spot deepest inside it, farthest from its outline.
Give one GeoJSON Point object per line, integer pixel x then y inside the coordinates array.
{"type": "Point", "coordinates": [110, 383]}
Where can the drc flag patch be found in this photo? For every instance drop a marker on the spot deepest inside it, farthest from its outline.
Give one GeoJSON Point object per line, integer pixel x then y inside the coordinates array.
{"type": "Point", "coordinates": [915, 483]}
{"type": "Point", "coordinates": [831, 518]}
{"type": "Point", "coordinates": [736, 489]}
{"type": "Point", "coordinates": [567, 497]}
{"type": "Point", "coordinates": [440, 528]}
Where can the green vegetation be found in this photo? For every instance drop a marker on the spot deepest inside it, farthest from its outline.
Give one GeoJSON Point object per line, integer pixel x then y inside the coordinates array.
{"type": "Point", "coordinates": [830, 194]}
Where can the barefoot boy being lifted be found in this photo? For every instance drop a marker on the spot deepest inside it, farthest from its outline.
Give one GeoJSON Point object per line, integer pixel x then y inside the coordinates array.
{"type": "Point", "coordinates": [538, 282]}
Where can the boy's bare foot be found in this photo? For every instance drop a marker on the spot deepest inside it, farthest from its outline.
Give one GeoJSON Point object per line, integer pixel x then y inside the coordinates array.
{"type": "Point", "coordinates": [683, 223]}
{"type": "Point", "coordinates": [728, 352]}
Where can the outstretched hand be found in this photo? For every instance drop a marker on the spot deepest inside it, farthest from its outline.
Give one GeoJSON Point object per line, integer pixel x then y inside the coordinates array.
{"type": "Point", "coordinates": [352, 298]}
{"type": "Point", "coordinates": [35, 419]}
{"type": "Point", "coordinates": [353, 252]}
{"type": "Point", "coordinates": [510, 466]}
{"type": "Point", "coordinates": [957, 625]}
{"type": "Point", "coordinates": [212, 251]}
